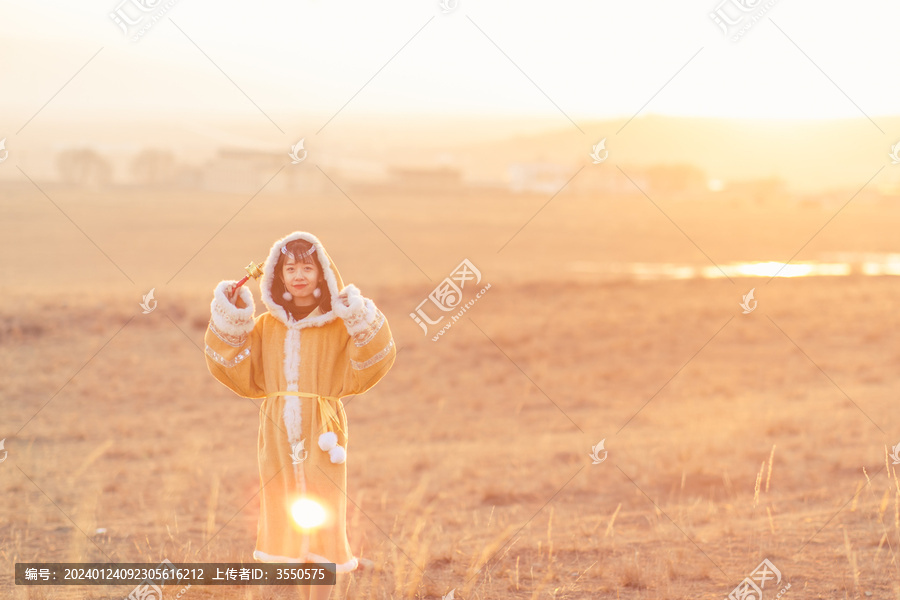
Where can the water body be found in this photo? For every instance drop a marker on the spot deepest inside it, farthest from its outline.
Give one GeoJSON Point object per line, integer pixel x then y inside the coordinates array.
{"type": "Point", "coordinates": [836, 265]}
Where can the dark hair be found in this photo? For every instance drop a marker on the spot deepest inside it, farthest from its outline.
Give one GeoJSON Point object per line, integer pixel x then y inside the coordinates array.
{"type": "Point", "coordinates": [299, 251]}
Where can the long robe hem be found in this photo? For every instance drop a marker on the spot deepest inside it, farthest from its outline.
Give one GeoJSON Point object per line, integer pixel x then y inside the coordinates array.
{"type": "Point", "coordinates": [346, 567]}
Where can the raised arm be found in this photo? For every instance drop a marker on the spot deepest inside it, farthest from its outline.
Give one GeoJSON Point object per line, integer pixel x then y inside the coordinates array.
{"type": "Point", "coordinates": [233, 343]}
{"type": "Point", "coordinates": [371, 347]}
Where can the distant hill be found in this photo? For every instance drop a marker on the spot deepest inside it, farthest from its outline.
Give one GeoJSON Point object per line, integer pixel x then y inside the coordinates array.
{"type": "Point", "coordinates": [807, 155]}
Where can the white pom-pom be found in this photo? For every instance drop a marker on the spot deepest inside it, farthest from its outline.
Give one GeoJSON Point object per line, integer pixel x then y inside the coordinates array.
{"type": "Point", "coordinates": [337, 454]}
{"type": "Point", "coordinates": [327, 441]}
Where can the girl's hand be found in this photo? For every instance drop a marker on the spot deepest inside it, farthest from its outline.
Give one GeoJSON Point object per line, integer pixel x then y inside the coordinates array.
{"type": "Point", "coordinates": [349, 303]}
{"type": "Point", "coordinates": [234, 298]}
{"type": "Point", "coordinates": [345, 300]}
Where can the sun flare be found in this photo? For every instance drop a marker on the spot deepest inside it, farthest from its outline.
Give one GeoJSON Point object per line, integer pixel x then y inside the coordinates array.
{"type": "Point", "coordinates": [307, 513]}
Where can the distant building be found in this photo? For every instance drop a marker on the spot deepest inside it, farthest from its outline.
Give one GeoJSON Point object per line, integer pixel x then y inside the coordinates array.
{"type": "Point", "coordinates": [241, 171]}
{"type": "Point", "coordinates": [606, 179]}
{"type": "Point", "coordinates": [247, 171]}
{"type": "Point", "coordinates": [761, 191]}
{"type": "Point", "coordinates": [603, 178]}
{"type": "Point", "coordinates": [433, 179]}
{"type": "Point", "coordinates": [676, 179]}
{"type": "Point", "coordinates": [539, 177]}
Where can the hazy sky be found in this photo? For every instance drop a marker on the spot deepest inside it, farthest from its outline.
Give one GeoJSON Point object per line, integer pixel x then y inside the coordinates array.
{"type": "Point", "coordinates": [577, 60]}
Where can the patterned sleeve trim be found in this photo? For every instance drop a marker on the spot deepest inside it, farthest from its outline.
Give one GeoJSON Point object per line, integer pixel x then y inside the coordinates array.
{"type": "Point", "coordinates": [360, 365]}
{"type": "Point", "coordinates": [225, 362]}
{"type": "Point", "coordinates": [369, 331]}
{"type": "Point", "coordinates": [235, 341]}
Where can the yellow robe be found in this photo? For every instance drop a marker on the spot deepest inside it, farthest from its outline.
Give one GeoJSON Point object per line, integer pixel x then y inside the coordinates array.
{"type": "Point", "coordinates": [341, 352]}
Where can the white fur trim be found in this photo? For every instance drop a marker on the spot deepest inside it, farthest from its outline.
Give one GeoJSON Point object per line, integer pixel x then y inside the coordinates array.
{"type": "Point", "coordinates": [350, 565]}
{"type": "Point", "coordinates": [229, 321]}
{"type": "Point", "coordinates": [338, 455]}
{"type": "Point", "coordinates": [292, 416]}
{"type": "Point", "coordinates": [329, 273]}
{"type": "Point", "coordinates": [292, 357]}
{"type": "Point", "coordinates": [355, 302]}
{"type": "Point", "coordinates": [361, 316]}
{"type": "Point", "coordinates": [327, 441]}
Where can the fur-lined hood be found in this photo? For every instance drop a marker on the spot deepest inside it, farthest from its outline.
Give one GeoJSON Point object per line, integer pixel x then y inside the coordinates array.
{"type": "Point", "coordinates": [329, 272]}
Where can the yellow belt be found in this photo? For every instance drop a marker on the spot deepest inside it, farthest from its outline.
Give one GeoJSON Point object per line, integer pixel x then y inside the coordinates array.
{"type": "Point", "coordinates": [327, 412]}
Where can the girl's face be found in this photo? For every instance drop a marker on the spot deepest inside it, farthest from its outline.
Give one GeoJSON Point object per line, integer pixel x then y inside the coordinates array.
{"type": "Point", "coordinates": [300, 279]}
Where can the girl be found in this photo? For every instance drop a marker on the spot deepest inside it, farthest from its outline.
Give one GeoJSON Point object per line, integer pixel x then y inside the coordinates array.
{"type": "Point", "coordinates": [318, 341]}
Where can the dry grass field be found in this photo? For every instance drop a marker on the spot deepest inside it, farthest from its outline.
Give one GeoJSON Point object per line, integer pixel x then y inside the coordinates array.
{"type": "Point", "coordinates": [731, 438]}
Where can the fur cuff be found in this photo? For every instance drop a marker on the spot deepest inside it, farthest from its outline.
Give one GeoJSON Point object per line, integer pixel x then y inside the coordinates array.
{"type": "Point", "coordinates": [360, 316]}
{"type": "Point", "coordinates": [231, 323]}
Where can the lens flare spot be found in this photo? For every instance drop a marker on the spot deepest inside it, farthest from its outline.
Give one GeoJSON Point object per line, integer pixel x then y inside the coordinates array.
{"type": "Point", "coordinates": [307, 513]}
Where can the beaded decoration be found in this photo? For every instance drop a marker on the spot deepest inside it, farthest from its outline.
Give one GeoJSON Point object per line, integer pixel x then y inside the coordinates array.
{"type": "Point", "coordinates": [298, 257]}
{"type": "Point", "coordinates": [359, 366]}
